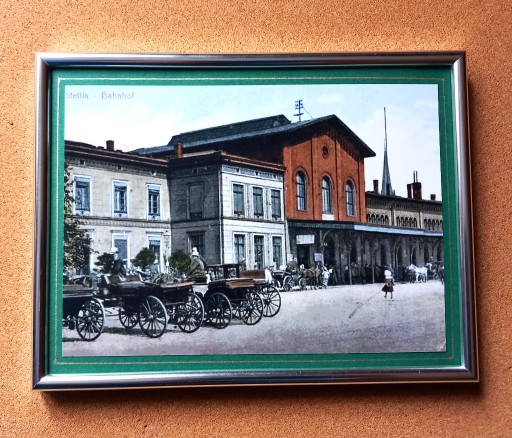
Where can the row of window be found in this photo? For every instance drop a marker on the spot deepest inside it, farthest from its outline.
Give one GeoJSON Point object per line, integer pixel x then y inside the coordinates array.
{"type": "Point", "coordinates": [433, 224]}
{"type": "Point", "coordinates": [302, 201]}
{"type": "Point", "coordinates": [82, 195]}
{"type": "Point", "coordinates": [258, 202]}
{"type": "Point", "coordinates": [405, 222]}
{"type": "Point", "coordinates": [122, 243]}
{"type": "Point", "coordinates": [240, 250]}
{"type": "Point", "coordinates": [377, 219]}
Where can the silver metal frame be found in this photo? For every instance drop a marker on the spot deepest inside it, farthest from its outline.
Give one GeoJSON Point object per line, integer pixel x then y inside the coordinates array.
{"type": "Point", "coordinates": [456, 61]}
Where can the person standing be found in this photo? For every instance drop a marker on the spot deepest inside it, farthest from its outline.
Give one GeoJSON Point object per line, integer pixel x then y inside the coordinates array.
{"type": "Point", "coordinates": [388, 278]}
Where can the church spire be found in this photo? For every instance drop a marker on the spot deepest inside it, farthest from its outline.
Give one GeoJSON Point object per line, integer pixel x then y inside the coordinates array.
{"type": "Point", "coordinates": [386, 177]}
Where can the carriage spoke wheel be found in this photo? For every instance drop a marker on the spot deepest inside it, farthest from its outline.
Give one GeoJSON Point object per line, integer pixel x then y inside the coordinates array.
{"type": "Point", "coordinates": [218, 310]}
{"type": "Point", "coordinates": [152, 317]}
{"type": "Point", "coordinates": [190, 313]}
{"type": "Point", "coordinates": [251, 308]}
{"type": "Point", "coordinates": [271, 301]}
{"type": "Point", "coordinates": [90, 320]}
{"type": "Point", "coordinates": [128, 316]}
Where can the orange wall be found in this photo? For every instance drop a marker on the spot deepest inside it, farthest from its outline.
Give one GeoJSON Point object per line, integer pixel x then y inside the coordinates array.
{"type": "Point", "coordinates": [483, 29]}
{"type": "Point", "coordinates": [339, 166]}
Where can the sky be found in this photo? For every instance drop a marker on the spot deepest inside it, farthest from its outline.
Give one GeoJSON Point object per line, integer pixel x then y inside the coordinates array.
{"type": "Point", "coordinates": [147, 116]}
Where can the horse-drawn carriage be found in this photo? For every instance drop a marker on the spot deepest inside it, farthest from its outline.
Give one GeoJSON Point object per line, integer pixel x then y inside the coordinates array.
{"type": "Point", "coordinates": [240, 294]}
{"type": "Point", "coordinates": [83, 311]}
{"type": "Point", "coordinates": [150, 305]}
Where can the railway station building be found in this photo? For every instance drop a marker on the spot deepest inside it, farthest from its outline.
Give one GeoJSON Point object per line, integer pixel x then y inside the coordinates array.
{"type": "Point", "coordinates": [264, 191]}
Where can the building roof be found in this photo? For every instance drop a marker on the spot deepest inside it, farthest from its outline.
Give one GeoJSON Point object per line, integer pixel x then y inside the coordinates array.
{"type": "Point", "coordinates": [254, 129]}
{"type": "Point", "coordinates": [85, 150]}
{"type": "Point", "coordinates": [215, 157]}
{"type": "Point", "coordinates": [373, 198]}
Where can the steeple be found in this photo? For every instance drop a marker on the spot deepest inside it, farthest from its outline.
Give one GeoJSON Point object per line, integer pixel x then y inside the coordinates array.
{"type": "Point", "coordinates": [386, 177]}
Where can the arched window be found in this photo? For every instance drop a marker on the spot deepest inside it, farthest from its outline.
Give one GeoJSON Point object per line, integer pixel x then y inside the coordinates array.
{"type": "Point", "coordinates": [300, 180]}
{"type": "Point", "coordinates": [349, 192]}
{"type": "Point", "coordinates": [326, 195]}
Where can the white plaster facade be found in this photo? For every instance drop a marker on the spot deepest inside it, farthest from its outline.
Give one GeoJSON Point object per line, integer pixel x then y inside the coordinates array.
{"type": "Point", "coordinates": [135, 223]}
{"type": "Point", "coordinates": [225, 234]}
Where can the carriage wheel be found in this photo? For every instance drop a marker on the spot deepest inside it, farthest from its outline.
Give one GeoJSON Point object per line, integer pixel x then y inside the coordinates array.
{"type": "Point", "coordinates": [271, 301]}
{"type": "Point", "coordinates": [152, 317]}
{"type": "Point", "coordinates": [287, 284]}
{"type": "Point", "coordinates": [218, 310]}
{"type": "Point", "coordinates": [251, 308]}
{"type": "Point", "coordinates": [90, 319]}
{"type": "Point", "coordinates": [128, 316]}
{"type": "Point", "coordinates": [190, 313]}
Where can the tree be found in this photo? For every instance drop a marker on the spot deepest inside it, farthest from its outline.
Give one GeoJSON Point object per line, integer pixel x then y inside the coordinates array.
{"type": "Point", "coordinates": [105, 263]}
{"type": "Point", "coordinates": [144, 259]}
{"type": "Point", "coordinates": [77, 244]}
{"type": "Point", "coordinates": [179, 261]}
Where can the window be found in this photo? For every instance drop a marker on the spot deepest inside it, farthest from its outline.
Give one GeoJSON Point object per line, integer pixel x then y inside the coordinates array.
{"type": "Point", "coordinates": [275, 196]}
{"type": "Point", "coordinates": [238, 200]}
{"type": "Point", "coordinates": [326, 196]}
{"type": "Point", "coordinates": [277, 251]}
{"type": "Point", "coordinates": [349, 192]}
{"type": "Point", "coordinates": [300, 180]}
{"type": "Point", "coordinates": [195, 201]}
{"type": "Point", "coordinates": [82, 196]}
{"type": "Point", "coordinates": [121, 243]}
{"type": "Point", "coordinates": [258, 252]}
{"type": "Point", "coordinates": [154, 245]}
{"type": "Point", "coordinates": [120, 198]}
{"type": "Point", "coordinates": [239, 240]}
{"type": "Point", "coordinates": [197, 240]}
{"type": "Point", "coordinates": [154, 202]}
{"type": "Point", "coordinates": [257, 199]}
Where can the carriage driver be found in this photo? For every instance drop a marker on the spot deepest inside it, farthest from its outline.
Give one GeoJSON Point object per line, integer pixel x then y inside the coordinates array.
{"type": "Point", "coordinates": [118, 273]}
{"type": "Point", "coordinates": [197, 268]}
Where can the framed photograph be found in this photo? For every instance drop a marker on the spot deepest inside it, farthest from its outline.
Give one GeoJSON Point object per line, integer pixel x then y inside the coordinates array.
{"type": "Point", "coordinates": [227, 220]}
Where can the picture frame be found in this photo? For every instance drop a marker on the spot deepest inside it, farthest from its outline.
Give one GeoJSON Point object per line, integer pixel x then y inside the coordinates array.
{"type": "Point", "coordinates": [241, 186]}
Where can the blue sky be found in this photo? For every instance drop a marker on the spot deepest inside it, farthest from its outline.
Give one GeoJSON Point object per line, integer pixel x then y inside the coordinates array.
{"type": "Point", "coordinates": [153, 114]}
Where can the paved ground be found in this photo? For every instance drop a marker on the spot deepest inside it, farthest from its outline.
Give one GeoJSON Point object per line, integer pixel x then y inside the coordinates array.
{"type": "Point", "coordinates": [341, 319]}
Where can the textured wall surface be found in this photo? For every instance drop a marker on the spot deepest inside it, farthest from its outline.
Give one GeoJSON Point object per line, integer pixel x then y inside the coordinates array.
{"type": "Point", "coordinates": [481, 28]}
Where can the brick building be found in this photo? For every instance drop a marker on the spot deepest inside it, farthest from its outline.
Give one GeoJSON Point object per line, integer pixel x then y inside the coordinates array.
{"type": "Point", "coordinates": [323, 164]}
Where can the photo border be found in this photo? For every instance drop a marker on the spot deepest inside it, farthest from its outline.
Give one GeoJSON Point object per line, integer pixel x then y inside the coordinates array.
{"type": "Point", "coordinates": [465, 368]}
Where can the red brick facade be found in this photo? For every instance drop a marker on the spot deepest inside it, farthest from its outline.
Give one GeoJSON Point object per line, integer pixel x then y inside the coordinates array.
{"type": "Point", "coordinates": [322, 156]}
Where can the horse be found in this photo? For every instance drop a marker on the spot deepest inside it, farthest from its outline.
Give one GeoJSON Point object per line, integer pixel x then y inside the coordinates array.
{"type": "Point", "coordinates": [420, 274]}
{"type": "Point", "coordinates": [311, 277]}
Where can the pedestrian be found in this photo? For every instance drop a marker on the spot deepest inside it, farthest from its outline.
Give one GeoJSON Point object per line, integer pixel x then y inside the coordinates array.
{"type": "Point", "coordinates": [389, 282]}
{"type": "Point", "coordinates": [325, 277]}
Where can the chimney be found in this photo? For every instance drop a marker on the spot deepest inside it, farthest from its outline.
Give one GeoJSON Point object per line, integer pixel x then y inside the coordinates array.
{"type": "Point", "coordinates": [110, 145]}
{"type": "Point", "coordinates": [179, 150]}
{"type": "Point", "coordinates": [409, 191]}
{"type": "Point", "coordinates": [376, 186]}
{"type": "Point", "coordinates": [416, 186]}
{"type": "Point", "coordinates": [433, 197]}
